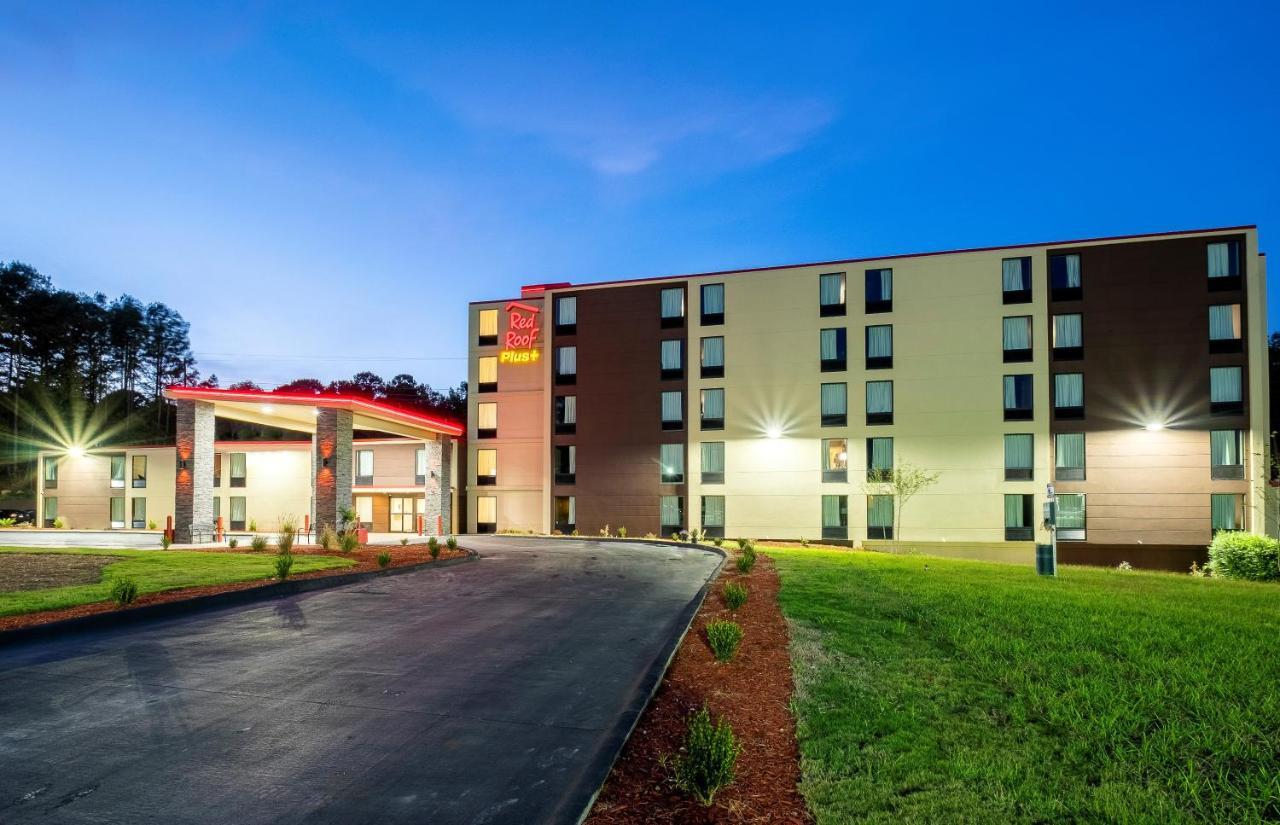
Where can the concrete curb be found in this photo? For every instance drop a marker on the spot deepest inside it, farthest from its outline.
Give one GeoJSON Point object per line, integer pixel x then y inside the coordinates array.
{"type": "Point", "coordinates": [209, 603]}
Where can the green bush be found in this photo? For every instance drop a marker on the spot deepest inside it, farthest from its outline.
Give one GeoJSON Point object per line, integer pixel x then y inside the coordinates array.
{"type": "Point", "coordinates": [384, 559]}
{"type": "Point", "coordinates": [706, 762]}
{"type": "Point", "coordinates": [165, 541]}
{"type": "Point", "coordinates": [329, 538]}
{"type": "Point", "coordinates": [747, 559]}
{"type": "Point", "coordinates": [284, 563]}
{"type": "Point", "coordinates": [288, 533]}
{"type": "Point", "coordinates": [717, 541]}
{"type": "Point", "coordinates": [743, 544]}
{"type": "Point", "coordinates": [233, 543]}
{"type": "Point", "coordinates": [348, 541]}
{"type": "Point", "coordinates": [735, 595]}
{"type": "Point", "coordinates": [451, 543]}
{"type": "Point", "coordinates": [258, 543]}
{"type": "Point", "coordinates": [1236, 555]}
{"type": "Point", "coordinates": [724, 638]}
{"type": "Point", "coordinates": [433, 547]}
{"type": "Point", "coordinates": [124, 590]}
{"type": "Point", "coordinates": [622, 532]}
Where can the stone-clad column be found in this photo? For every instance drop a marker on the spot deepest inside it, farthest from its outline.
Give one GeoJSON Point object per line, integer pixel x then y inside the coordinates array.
{"type": "Point", "coordinates": [431, 512]}
{"type": "Point", "coordinates": [333, 466]}
{"type": "Point", "coordinates": [193, 483]}
{"type": "Point", "coordinates": [445, 490]}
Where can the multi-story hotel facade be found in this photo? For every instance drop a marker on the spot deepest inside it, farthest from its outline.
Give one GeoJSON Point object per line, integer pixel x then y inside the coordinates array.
{"type": "Point", "coordinates": [1130, 373]}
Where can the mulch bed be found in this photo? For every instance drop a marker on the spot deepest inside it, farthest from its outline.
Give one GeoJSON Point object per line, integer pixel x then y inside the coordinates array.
{"type": "Point", "coordinates": [752, 692]}
{"type": "Point", "coordinates": [41, 571]}
{"type": "Point", "coordinates": [366, 559]}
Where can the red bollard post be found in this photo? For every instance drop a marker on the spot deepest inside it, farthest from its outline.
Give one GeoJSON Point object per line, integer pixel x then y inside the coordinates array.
{"type": "Point", "coordinates": [218, 529]}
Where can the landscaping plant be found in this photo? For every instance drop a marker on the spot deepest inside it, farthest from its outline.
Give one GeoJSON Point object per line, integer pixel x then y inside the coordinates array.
{"type": "Point", "coordinates": [1236, 555]}
{"type": "Point", "coordinates": [743, 544]}
{"type": "Point", "coordinates": [348, 542]}
{"type": "Point", "coordinates": [233, 543]}
{"type": "Point", "coordinates": [329, 538]}
{"type": "Point", "coordinates": [124, 590]}
{"type": "Point", "coordinates": [433, 547]}
{"type": "Point", "coordinates": [622, 532]}
{"type": "Point", "coordinates": [288, 532]}
{"type": "Point", "coordinates": [747, 559]}
{"type": "Point", "coordinates": [384, 559]}
{"type": "Point", "coordinates": [258, 543]}
{"type": "Point", "coordinates": [165, 541]}
{"type": "Point", "coordinates": [724, 638]}
{"type": "Point", "coordinates": [451, 543]}
{"type": "Point", "coordinates": [707, 759]}
{"type": "Point", "coordinates": [284, 563]}
{"type": "Point", "coordinates": [735, 595]}
{"type": "Point", "coordinates": [404, 542]}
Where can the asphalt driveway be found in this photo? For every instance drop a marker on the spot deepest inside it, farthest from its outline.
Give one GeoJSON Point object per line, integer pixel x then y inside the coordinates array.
{"type": "Point", "coordinates": [490, 692]}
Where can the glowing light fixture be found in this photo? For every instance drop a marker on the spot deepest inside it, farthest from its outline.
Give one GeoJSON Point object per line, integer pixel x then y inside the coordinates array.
{"type": "Point", "coordinates": [773, 431]}
{"type": "Point", "coordinates": [268, 409]}
{"type": "Point", "coordinates": [75, 451]}
{"type": "Point", "coordinates": [1154, 427]}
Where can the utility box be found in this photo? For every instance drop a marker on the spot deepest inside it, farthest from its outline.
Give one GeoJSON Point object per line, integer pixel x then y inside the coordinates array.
{"type": "Point", "coordinates": [1046, 564]}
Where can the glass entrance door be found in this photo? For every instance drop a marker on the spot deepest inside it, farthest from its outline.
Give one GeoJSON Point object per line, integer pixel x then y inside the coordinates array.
{"type": "Point", "coordinates": [404, 512]}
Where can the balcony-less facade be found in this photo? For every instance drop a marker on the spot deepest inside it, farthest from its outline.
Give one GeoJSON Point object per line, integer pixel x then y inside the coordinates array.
{"type": "Point", "coordinates": [1128, 372]}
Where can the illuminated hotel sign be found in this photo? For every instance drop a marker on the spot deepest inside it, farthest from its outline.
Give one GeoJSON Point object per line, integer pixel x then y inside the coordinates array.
{"type": "Point", "coordinates": [521, 343]}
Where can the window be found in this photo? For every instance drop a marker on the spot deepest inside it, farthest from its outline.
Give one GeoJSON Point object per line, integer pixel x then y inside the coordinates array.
{"type": "Point", "coordinates": [1068, 342]}
{"type": "Point", "coordinates": [879, 402]}
{"type": "Point", "coordinates": [117, 471]}
{"type": "Point", "coordinates": [403, 513]}
{"type": "Point", "coordinates": [1015, 276]}
{"type": "Point", "coordinates": [486, 467]}
{"type": "Point", "coordinates": [1064, 277]}
{"type": "Point", "coordinates": [566, 365]}
{"type": "Point", "coordinates": [486, 420]}
{"type": "Point", "coordinates": [1068, 395]}
{"type": "Point", "coordinates": [879, 517]}
{"type": "Point", "coordinates": [879, 459]}
{"type": "Point", "coordinates": [1017, 339]}
{"type": "Point", "coordinates": [671, 462]}
{"type": "Point", "coordinates": [712, 304]}
{"type": "Point", "coordinates": [1068, 456]}
{"type": "Point", "coordinates": [834, 400]}
{"type": "Point", "coordinates": [880, 347]}
{"type": "Point", "coordinates": [486, 514]}
{"type": "Point", "coordinates": [1224, 328]}
{"type": "Point", "coordinates": [671, 510]}
{"type": "Point", "coordinates": [1226, 454]}
{"type": "Point", "coordinates": [835, 459]}
{"type": "Point", "coordinates": [117, 512]}
{"type": "Point", "coordinates": [879, 290]}
{"type": "Point", "coordinates": [138, 516]}
{"type": "Point", "coordinates": [713, 357]}
{"type": "Point", "coordinates": [835, 517]}
{"type": "Point", "coordinates": [566, 464]}
{"type": "Point", "coordinates": [566, 514]}
{"type": "Point", "coordinates": [487, 328]}
{"type": "Point", "coordinates": [672, 359]}
{"type": "Point", "coordinates": [1071, 516]}
{"type": "Point", "coordinates": [566, 315]}
{"type": "Point", "coordinates": [51, 511]}
{"type": "Point", "coordinates": [1226, 393]}
{"type": "Point", "coordinates": [364, 511]}
{"type": "Point", "coordinates": [831, 294]}
{"type": "Point", "coordinates": [672, 410]}
{"type": "Point", "coordinates": [139, 471]}
{"type": "Point", "coordinates": [50, 473]}
{"type": "Point", "coordinates": [1018, 404]}
{"type": "Point", "coordinates": [487, 373]}
{"type": "Point", "coordinates": [672, 300]}
{"type": "Point", "coordinates": [713, 462]}
{"type": "Point", "coordinates": [364, 467]}
{"type": "Point", "coordinates": [217, 508]}
{"type": "Point", "coordinates": [1226, 511]}
{"type": "Point", "coordinates": [1019, 461]}
{"type": "Point", "coordinates": [566, 414]}
{"type": "Point", "coordinates": [239, 470]}
{"type": "Point", "coordinates": [1019, 517]}
{"type": "Point", "coordinates": [1224, 266]}
{"type": "Point", "coordinates": [713, 409]}
{"type": "Point", "coordinates": [420, 465]}
{"type": "Point", "coordinates": [217, 470]}
{"type": "Point", "coordinates": [831, 350]}
{"type": "Point", "coordinates": [713, 516]}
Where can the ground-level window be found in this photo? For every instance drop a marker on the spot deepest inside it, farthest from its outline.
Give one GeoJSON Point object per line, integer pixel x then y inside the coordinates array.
{"type": "Point", "coordinates": [566, 514]}
{"type": "Point", "coordinates": [239, 512]}
{"type": "Point", "coordinates": [364, 467]}
{"type": "Point", "coordinates": [1071, 516]}
{"type": "Point", "coordinates": [835, 517]}
{"type": "Point", "coordinates": [1226, 511]}
{"type": "Point", "coordinates": [117, 512]}
{"type": "Point", "coordinates": [138, 516]}
{"type": "Point", "coordinates": [50, 473]}
{"type": "Point", "coordinates": [50, 511]}
{"type": "Point", "coordinates": [671, 510]}
{"type": "Point", "coordinates": [139, 471]}
{"type": "Point", "coordinates": [1068, 456]}
{"type": "Point", "coordinates": [217, 469]}
{"type": "Point", "coordinates": [879, 517]}
{"type": "Point", "coordinates": [1019, 517]}
{"type": "Point", "coordinates": [835, 459]}
{"type": "Point", "coordinates": [713, 516]}
{"type": "Point", "coordinates": [217, 509]}
{"type": "Point", "coordinates": [117, 471]}
{"type": "Point", "coordinates": [364, 511]}
{"type": "Point", "coordinates": [486, 514]}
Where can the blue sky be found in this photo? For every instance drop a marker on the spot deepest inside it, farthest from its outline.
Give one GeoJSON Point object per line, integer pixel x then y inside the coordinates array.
{"type": "Point", "coordinates": [321, 187]}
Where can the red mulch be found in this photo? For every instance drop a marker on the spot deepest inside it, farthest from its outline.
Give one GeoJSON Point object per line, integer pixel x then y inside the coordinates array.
{"type": "Point", "coordinates": [752, 692]}
{"type": "Point", "coordinates": [366, 559]}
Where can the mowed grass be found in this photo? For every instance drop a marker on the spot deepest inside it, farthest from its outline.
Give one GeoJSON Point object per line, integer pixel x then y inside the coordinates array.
{"type": "Point", "coordinates": [933, 690]}
{"type": "Point", "coordinates": [154, 571]}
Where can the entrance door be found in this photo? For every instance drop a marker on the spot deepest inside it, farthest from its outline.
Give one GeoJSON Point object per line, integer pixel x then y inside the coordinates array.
{"type": "Point", "coordinates": [404, 512]}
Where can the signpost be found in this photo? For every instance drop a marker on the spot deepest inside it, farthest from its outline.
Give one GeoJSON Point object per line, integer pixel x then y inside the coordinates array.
{"type": "Point", "coordinates": [1047, 557]}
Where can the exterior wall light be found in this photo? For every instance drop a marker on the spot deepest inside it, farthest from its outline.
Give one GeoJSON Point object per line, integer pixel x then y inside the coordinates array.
{"type": "Point", "coordinates": [182, 464]}
{"type": "Point", "coordinates": [75, 451]}
{"type": "Point", "coordinates": [773, 431]}
{"type": "Point", "coordinates": [1154, 427]}
{"type": "Point", "coordinates": [324, 462]}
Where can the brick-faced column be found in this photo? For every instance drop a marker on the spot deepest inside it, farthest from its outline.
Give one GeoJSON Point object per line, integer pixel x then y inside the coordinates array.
{"type": "Point", "coordinates": [333, 466]}
{"type": "Point", "coordinates": [193, 484]}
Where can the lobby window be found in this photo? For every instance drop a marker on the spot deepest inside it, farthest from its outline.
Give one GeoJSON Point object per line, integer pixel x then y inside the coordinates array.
{"type": "Point", "coordinates": [1019, 461]}
{"type": "Point", "coordinates": [486, 468]}
{"type": "Point", "coordinates": [1017, 339]}
{"type": "Point", "coordinates": [420, 465]}
{"type": "Point", "coordinates": [1068, 338]}
{"type": "Point", "coordinates": [487, 373]}
{"type": "Point", "coordinates": [1225, 328]}
{"type": "Point", "coordinates": [1224, 265]}
{"type": "Point", "coordinates": [671, 463]}
{"type": "Point", "coordinates": [1226, 454]}
{"type": "Point", "coordinates": [486, 514]}
{"type": "Point", "coordinates": [51, 511]}
{"type": "Point", "coordinates": [879, 402]}
{"type": "Point", "coordinates": [832, 356]}
{"type": "Point", "coordinates": [1019, 517]}
{"type": "Point", "coordinates": [1068, 395]}
{"type": "Point", "coordinates": [487, 328]}
{"type": "Point", "coordinates": [566, 514]}
{"type": "Point", "coordinates": [879, 517]}
{"type": "Point", "coordinates": [364, 511]}
{"type": "Point", "coordinates": [672, 306]}
{"type": "Point", "coordinates": [1071, 516]}
{"type": "Point", "coordinates": [138, 514]}
{"type": "Point", "coordinates": [1015, 275]}
{"type": "Point", "coordinates": [117, 512]}
{"type": "Point", "coordinates": [713, 409]}
{"type": "Point", "coordinates": [487, 419]}
{"type": "Point", "coordinates": [671, 354]}
{"type": "Point", "coordinates": [239, 469]}
{"type": "Point", "coordinates": [1068, 456]}
{"type": "Point", "coordinates": [835, 517]}
{"type": "Point", "coordinates": [834, 401]}
{"type": "Point", "coordinates": [50, 473]}
{"type": "Point", "coordinates": [1018, 401]}
{"type": "Point", "coordinates": [117, 471]}
{"type": "Point", "coordinates": [566, 414]}
{"type": "Point", "coordinates": [239, 507]}
{"type": "Point", "coordinates": [713, 516]}
{"type": "Point", "coordinates": [879, 283]}
{"type": "Point", "coordinates": [880, 347]}
{"type": "Point", "coordinates": [671, 513]}
{"type": "Point", "coordinates": [566, 365]}
{"type": "Point", "coordinates": [139, 472]}
{"type": "Point", "coordinates": [713, 462]}
{"type": "Point", "coordinates": [831, 295]}
{"type": "Point", "coordinates": [835, 460]}
{"type": "Point", "coordinates": [673, 410]}
{"type": "Point", "coordinates": [566, 315]}
{"type": "Point", "coordinates": [712, 304]}
{"type": "Point", "coordinates": [1064, 278]}
{"type": "Point", "coordinates": [1226, 511]}
{"type": "Point", "coordinates": [713, 357]}
{"type": "Point", "coordinates": [566, 464]}
{"type": "Point", "coordinates": [364, 467]}
{"type": "Point", "coordinates": [1226, 391]}
{"type": "Point", "coordinates": [879, 459]}
{"type": "Point", "coordinates": [217, 470]}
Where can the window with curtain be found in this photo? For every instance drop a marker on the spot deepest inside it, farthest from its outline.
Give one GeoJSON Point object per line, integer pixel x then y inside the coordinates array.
{"type": "Point", "coordinates": [835, 459]}
{"type": "Point", "coordinates": [834, 400]}
{"type": "Point", "coordinates": [1224, 259]}
{"type": "Point", "coordinates": [117, 512]}
{"type": "Point", "coordinates": [50, 472]}
{"type": "Point", "coordinates": [713, 511]}
{"type": "Point", "coordinates": [566, 313]}
{"type": "Point", "coordinates": [138, 514]}
{"type": "Point", "coordinates": [835, 517]}
{"type": "Point", "coordinates": [364, 467]}
{"type": "Point", "coordinates": [831, 293]}
{"type": "Point", "coordinates": [831, 349]}
{"type": "Point", "coordinates": [139, 471]}
{"type": "Point", "coordinates": [117, 471]}
{"type": "Point", "coordinates": [1226, 454]}
{"type": "Point", "coordinates": [239, 507]}
{"type": "Point", "coordinates": [1068, 393]}
{"type": "Point", "coordinates": [486, 466]}
{"type": "Point", "coordinates": [672, 410]}
{"type": "Point", "coordinates": [1017, 338]}
{"type": "Point", "coordinates": [1068, 456]}
{"type": "Point", "coordinates": [1018, 517]}
{"type": "Point", "coordinates": [239, 469]}
{"type": "Point", "coordinates": [486, 514]}
{"type": "Point", "coordinates": [673, 304]}
{"type": "Point", "coordinates": [1225, 385]}
{"type": "Point", "coordinates": [879, 346]}
{"type": "Point", "coordinates": [879, 402]}
{"type": "Point", "coordinates": [1019, 461]}
{"type": "Point", "coordinates": [1064, 276]}
{"type": "Point", "coordinates": [712, 462]}
{"type": "Point", "coordinates": [217, 470]}
{"type": "Point", "coordinates": [566, 414]}
{"type": "Point", "coordinates": [566, 363]}
{"type": "Point", "coordinates": [51, 510]}
{"type": "Point", "coordinates": [1015, 276]}
{"type": "Point", "coordinates": [879, 459]}
{"type": "Point", "coordinates": [713, 303]}
{"type": "Point", "coordinates": [1018, 399]}
{"type": "Point", "coordinates": [672, 357]}
{"type": "Point", "coordinates": [879, 517]}
{"type": "Point", "coordinates": [671, 462]}
{"type": "Point", "coordinates": [566, 463]}
{"type": "Point", "coordinates": [713, 409]}
{"type": "Point", "coordinates": [486, 419]}
{"type": "Point", "coordinates": [566, 515]}
{"type": "Point", "coordinates": [671, 510]}
{"type": "Point", "coordinates": [1067, 337]}
{"type": "Point", "coordinates": [420, 466]}
{"type": "Point", "coordinates": [713, 352]}
{"type": "Point", "coordinates": [1224, 328]}
{"type": "Point", "coordinates": [487, 373]}
{"type": "Point", "coordinates": [1071, 516]}
{"type": "Point", "coordinates": [1226, 511]}
{"type": "Point", "coordinates": [879, 289]}
{"type": "Point", "coordinates": [487, 327]}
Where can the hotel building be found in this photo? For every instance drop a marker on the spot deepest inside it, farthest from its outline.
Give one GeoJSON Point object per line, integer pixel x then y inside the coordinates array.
{"type": "Point", "coordinates": [1130, 373]}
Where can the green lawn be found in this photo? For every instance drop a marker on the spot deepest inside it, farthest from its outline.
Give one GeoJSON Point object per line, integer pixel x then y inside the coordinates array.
{"type": "Point", "coordinates": [154, 570]}
{"type": "Point", "coordinates": [980, 692]}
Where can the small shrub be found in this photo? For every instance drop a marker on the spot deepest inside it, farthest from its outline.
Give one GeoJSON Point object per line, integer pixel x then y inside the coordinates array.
{"type": "Point", "coordinates": [403, 542]}
{"type": "Point", "coordinates": [165, 541]}
{"type": "Point", "coordinates": [1123, 566]}
{"type": "Point", "coordinates": [735, 595]}
{"type": "Point", "coordinates": [288, 533]}
{"type": "Point", "coordinates": [124, 590]}
{"type": "Point", "coordinates": [717, 541]}
{"type": "Point", "coordinates": [1197, 571]}
{"type": "Point", "coordinates": [804, 542]}
{"type": "Point", "coordinates": [724, 638]}
{"type": "Point", "coordinates": [743, 544]}
{"type": "Point", "coordinates": [451, 543]}
{"type": "Point", "coordinates": [329, 538]}
{"type": "Point", "coordinates": [151, 525]}
{"type": "Point", "coordinates": [604, 531]}
{"type": "Point", "coordinates": [60, 524]}
{"type": "Point", "coordinates": [675, 537]}
{"type": "Point", "coordinates": [433, 547]}
{"type": "Point", "coordinates": [258, 543]}
{"type": "Point", "coordinates": [1236, 555]}
{"type": "Point", "coordinates": [348, 542]}
{"type": "Point", "coordinates": [575, 532]}
{"type": "Point", "coordinates": [650, 536]}
{"type": "Point", "coordinates": [7, 522]}
{"type": "Point", "coordinates": [348, 518]}
{"type": "Point", "coordinates": [233, 543]}
{"type": "Point", "coordinates": [284, 563]}
{"type": "Point", "coordinates": [707, 759]}
{"type": "Point", "coordinates": [384, 558]}
{"type": "Point", "coordinates": [622, 532]}
{"type": "Point", "coordinates": [747, 559]}
{"type": "Point", "coordinates": [253, 525]}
